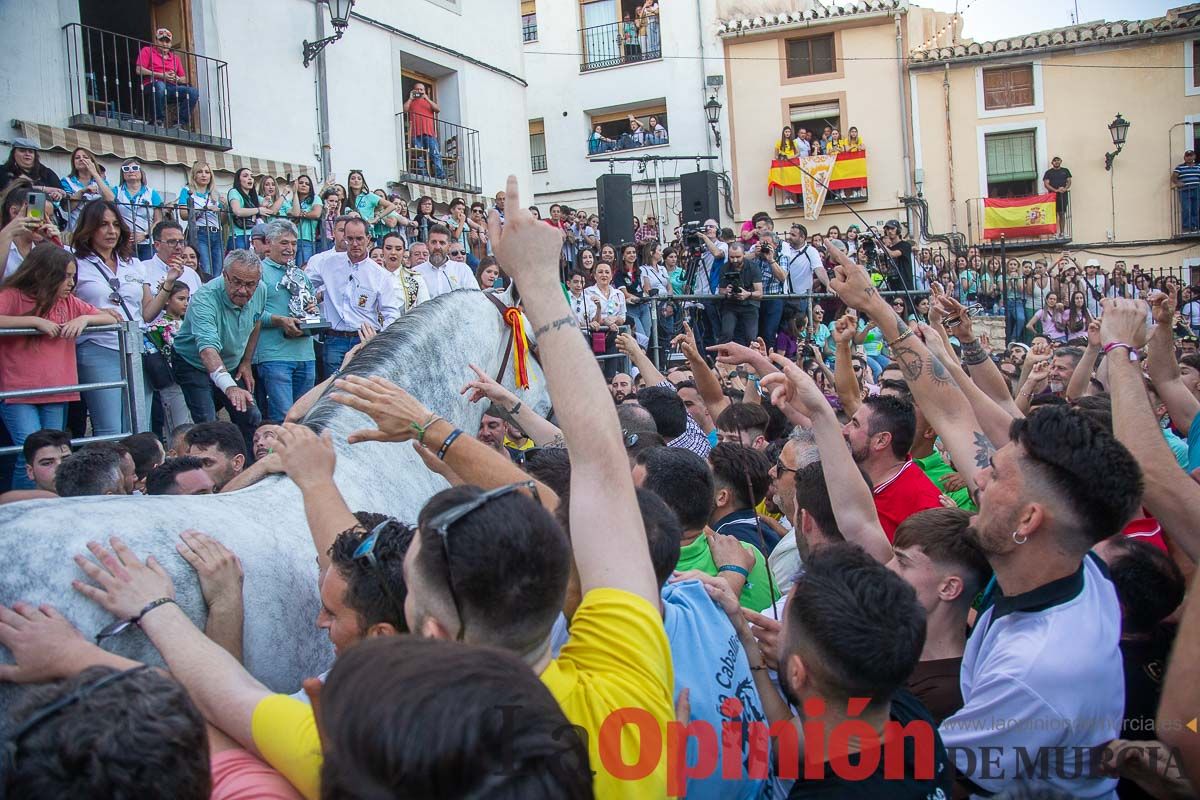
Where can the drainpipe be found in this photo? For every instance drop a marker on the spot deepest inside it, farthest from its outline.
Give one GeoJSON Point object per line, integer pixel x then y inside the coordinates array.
{"type": "Point", "coordinates": [703, 85]}
{"type": "Point", "coordinates": [949, 149]}
{"type": "Point", "coordinates": [901, 69]}
{"type": "Point", "coordinates": [321, 86]}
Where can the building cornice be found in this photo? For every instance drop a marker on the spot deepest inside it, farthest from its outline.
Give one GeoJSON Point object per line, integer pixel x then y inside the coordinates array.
{"type": "Point", "coordinates": [797, 20]}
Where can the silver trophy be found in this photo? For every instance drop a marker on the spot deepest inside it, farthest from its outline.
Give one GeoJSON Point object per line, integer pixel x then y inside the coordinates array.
{"type": "Point", "coordinates": [303, 305]}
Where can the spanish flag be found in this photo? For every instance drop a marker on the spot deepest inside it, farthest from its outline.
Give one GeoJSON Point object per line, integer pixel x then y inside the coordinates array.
{"type": "Point", "coordinates": [784, 175]}
{"type": "Point", "coordinates": [1014, 217]}
{"type": "Point", "coordinates": [850, 171]}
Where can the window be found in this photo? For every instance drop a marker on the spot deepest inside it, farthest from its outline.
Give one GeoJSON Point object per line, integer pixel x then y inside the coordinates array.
{"type": "Point", "coordinates": [529, 32]}
{"type": "Point", "coordinates": [1008, 87]}
{"type": "Point", "coordinates": [616, 132]}
{"type": "Point", "coordinates": [1011, 163]}
{"type": "Point", "coordinates": [814, 56]}
{"type": "Point", "coordinates": [1195, 46]}
{"type": "Point", "coordinates": [1191, 67]}
{"type": "Point", "coordinates": [537, 145]}
{"type": "Point", "coordinates": [814, 118]}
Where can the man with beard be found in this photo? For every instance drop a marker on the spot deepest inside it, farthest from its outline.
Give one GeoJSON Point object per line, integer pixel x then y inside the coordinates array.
{"type": "Point", "coordinates": [879, 436]}
{"type": "Point", "coordinates": [220, 447]}
{"type": "Point", "coordinates": [441, 275]}
{"type": "Point", "coordinates": [1062, 365]}
{"type": "Point", "coordinates": [492, 430]}
{"type": "Point", "coordinates": [620, 387]}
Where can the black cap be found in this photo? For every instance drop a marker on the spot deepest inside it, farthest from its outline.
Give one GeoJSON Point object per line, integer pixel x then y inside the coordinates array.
{"type": "Point", "coordinates": [891, 223]}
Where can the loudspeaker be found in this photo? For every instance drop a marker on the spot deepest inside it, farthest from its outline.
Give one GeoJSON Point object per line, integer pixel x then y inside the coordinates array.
{"type": "Point", "coordinates": [698, 194]}
{"type": "Point", "coordinates": [614, 197]}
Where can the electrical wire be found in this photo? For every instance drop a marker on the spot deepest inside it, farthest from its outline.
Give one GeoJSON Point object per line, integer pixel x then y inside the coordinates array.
{"type": "Point", "coordinates": [1045, 65]}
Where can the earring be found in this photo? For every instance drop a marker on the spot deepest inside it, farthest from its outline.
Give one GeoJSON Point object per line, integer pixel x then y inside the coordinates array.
{"type": "Point", "coordinates": [1019, 539]}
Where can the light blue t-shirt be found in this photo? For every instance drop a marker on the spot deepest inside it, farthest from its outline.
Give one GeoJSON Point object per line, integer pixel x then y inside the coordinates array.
{"type": "Point", "coordinates": [1194, 444]}
{"type": "Point", "coordinates": [710, 663]}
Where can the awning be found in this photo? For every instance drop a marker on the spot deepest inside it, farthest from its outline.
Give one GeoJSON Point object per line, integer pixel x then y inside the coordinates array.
{"type": "Point", "coordinates": [107, 144]}
{"type": "Point", "coordinates": [441, 195]}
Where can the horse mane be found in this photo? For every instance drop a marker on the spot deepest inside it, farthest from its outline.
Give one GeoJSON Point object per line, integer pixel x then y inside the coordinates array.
{"type": "Point", "coordinates": [405, 339]}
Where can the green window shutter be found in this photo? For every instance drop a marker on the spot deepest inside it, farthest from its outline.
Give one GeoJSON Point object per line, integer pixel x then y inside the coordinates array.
{"type": "Point", "coordinates": [1011, 157]}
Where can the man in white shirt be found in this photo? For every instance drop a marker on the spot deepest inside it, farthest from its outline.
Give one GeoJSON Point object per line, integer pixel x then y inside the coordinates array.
{"type": "Point", "coordinates": [357, 295]}
{"type": "Point", "coordinates": [339, 246]}
{"type": "Point", "coordinates": [169, 242]}
{"type": "Point", "coordinates": [801, 261]}
{"type": "Point", "coordinates": [441, 275]}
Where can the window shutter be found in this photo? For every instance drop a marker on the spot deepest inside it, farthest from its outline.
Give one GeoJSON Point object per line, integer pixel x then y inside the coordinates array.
{"type": "Point", "coordinates": [1011, 157]}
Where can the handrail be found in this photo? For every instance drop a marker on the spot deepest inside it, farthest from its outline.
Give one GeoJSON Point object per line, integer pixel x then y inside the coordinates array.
{"type": "Point", "coordinates": [614, 44]}
{"type": "Point", "coordinates": [458, 155]}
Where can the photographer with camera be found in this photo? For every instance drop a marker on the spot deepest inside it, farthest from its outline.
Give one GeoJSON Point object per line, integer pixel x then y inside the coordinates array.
{"type": "Point", "coordinates": [900, 276]}
{"type": "Point", "coordinates": [706, 281]}
{"type": "Point", "coordinates": [741, 289]}
{"type": "Point", "coordinates": [765, 256]}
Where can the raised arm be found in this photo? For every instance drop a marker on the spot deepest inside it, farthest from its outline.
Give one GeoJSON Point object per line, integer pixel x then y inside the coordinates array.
{"type": "Point", "coordinates": [309, 460]}
{"type": "Point", "coordinates": [607, 536]}
{"type": "Point", "coordinates": [844, 382]}
{"type": "Point", "coordinates": [942, 402]}
{"type": "Point", "coordinates": [708, 385]}
{"type": "Point", "coordinates": [1169, 493]}
{"type": "Point", "coordinates": [542, 431]}
{"type": "Point", "coordinates": [629, 346]}
{"type": "Point", "coordinates": [1181, 404]}
{"type": "Point", "coordinates": [1082, 375]}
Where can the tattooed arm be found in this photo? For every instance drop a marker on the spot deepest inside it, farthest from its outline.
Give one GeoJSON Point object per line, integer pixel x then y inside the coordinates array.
{"type": "Point", "coordinates": [933, 388]}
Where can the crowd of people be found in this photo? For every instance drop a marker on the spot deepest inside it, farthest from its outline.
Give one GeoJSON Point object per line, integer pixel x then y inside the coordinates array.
{"type": "Point", "coordinates": [821, 521]}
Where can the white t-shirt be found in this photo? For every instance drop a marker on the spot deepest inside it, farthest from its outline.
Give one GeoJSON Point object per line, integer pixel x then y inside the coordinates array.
{"type": "Point", "coordinates": [800, 265]}
{"type": "Point", "coordinates": [95, 284]}
{"type": "Point", "coordinates": [706, 265]}
{"type": "Point", "coordinates": [1191, 313]}
{"type": "Point", "coordinates": [154, 271]}
{"type": "Point", "coordinates": [450, 277]}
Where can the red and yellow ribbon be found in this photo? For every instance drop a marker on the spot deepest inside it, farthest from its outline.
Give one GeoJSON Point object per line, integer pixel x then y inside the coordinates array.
{"type": "Point", "coordinates": [513, 318]}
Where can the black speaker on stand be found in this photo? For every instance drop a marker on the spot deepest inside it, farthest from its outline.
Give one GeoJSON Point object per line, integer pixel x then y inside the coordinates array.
{"type": "Point", "coordinates": [698, 196]}
{"type": "Point", "coordinates": [614, 198]}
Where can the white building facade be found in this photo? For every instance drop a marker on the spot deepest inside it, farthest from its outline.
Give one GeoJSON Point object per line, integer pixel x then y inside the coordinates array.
{"type": "Point", "coordinates": [587, 66]}
{"type": "Point", "coordinates": [68, 80]}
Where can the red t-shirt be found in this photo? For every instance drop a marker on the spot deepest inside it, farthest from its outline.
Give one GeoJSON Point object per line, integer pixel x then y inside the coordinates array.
{"type": "Point", "coordinates": [420, 118]}
{"type": "Point", "coordinates": [35, 362]}
{"type": "Point", "coordinates": [1146, 529]}
{"type": "Point", "coordinates": [908, 492]}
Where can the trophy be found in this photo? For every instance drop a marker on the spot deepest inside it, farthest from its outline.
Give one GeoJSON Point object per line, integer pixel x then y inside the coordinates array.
{"type": "Point", "coordinates": [303, 305]}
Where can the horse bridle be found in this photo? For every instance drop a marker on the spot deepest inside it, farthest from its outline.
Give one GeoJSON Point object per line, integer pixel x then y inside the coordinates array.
{"type": "Point", "coordinates": [512, 335]}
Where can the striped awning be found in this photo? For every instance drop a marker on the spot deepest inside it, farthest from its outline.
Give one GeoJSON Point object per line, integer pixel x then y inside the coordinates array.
{"type": "Point", "coordinates": [441, 195]}
{"type": "Point", "coordinates": [107, 144]}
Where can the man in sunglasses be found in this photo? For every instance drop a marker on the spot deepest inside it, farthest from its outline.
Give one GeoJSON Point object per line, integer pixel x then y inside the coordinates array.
{"type": "Point", "coordinates": [164, 78]}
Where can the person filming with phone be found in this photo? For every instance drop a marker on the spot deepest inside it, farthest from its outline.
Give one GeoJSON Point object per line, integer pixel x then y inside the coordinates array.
{"type": "Point", "coordinates": [422, 129]}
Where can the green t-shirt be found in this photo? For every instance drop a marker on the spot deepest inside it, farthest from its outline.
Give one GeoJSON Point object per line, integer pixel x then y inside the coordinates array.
{"type": "Point", "coordinates": [756, 595]}
{"type": "Point", "coordinates": [936, 468]}
{"type": "Point", "coordinates": [272, 344]}
{"type": "Point", "coordinates": [306, 227]}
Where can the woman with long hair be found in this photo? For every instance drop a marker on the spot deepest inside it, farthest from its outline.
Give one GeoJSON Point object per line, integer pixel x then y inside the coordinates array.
{"type": "Point", "coordinates": [331, 203]}
{"type": "Point", "coordinates": [19, 232]}
{"type": "Point", "coordinates": [424, 219]}
{"type": "Point", "coordinates": [245, 209]}
{"type": "Point", "coordinates": [488, 275]}
{"type": "Point", "coordinates": [657, 277]}
{"type": "Point", "coordinates": [38, 295]}
{"type": "Point", "coordinates": [635, 287]}
{"type": "Point", "coordinates": [84, 183]}
{"type": "Point", "coordinates": [585, 264]}
{"type": "Point", "coordinates": [785, 148]}
{"type": "Point", "coordinates": [108, 278]}
{"type": "Point", "coordinates": [608, 255]}
{"type": "Point", "coordinates": [25, 162]}
{"type": "Point", "coordinates": [200, 205]}
{"type": "Point", "coordinates": [1051, 317]}
{"type": "Point", "coordinates": [271, 197]}
{"type": "Point", "coordinates": [1075, 325]}
{"type": "Point", "coordinates": [369, 205]}
{"type": "Point", "coordinates": [141, 206]}
{"type": "Point", "coordinates": [304, 210]}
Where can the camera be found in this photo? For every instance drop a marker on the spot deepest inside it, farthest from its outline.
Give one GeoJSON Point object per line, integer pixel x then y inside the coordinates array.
{"type": "Point", "coordinates": [689, 234]}
{"type": "Point", "coordinates": [732, 278]}
{"type": "Point", "coordinates": [870, 249]}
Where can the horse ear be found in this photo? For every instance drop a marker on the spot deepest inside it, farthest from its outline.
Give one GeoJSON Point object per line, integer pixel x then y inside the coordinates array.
{"type": "Point", "coordinates": [507, 294]}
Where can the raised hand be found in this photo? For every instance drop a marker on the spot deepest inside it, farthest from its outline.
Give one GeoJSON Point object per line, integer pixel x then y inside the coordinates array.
{"type": "Point", "coordinates": [628, 345]}
{"type": "Point", "coordinates": [843, 329]}
{"type": "Point", "coordinates": [851, 283]}
{"type": "Point", "coordinates": [528, 248]}
{"type": "Point", "coordinates": [686, 342]}
{"type": "Point", "coordinates": [1123, 321]}
{"type": "Point", "coordinates": [1162, 305]}
{"type": "Point", "coordinates": [309, 460]}
{"type": "Point", "coordinates": [1093, 334]}
{"type": "Point", "coordinates": [484, 386]}
{"type": "Point", "coordinates": [1039, 374]}
{"type": "Point", "coordinates": [795, 387]}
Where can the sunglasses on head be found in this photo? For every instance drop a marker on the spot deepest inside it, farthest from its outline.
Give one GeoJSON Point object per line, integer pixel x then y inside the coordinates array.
{"type": "Point", "coordinates": [441, 526]}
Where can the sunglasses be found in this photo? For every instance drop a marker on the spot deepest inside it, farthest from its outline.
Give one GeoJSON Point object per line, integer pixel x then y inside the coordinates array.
{"type": "Point", "coordinates": [441, 526]}
{"type": "Point", "coordinates": [781, 468]}
{"type": "Point", "coordinates": [130, 168]}
{"type": "Point", "coordinates": [366, 552]}
{"type": "Point", "coordinates": [457, 253]}
{"type": "Point", "coordinates": [115, 297]}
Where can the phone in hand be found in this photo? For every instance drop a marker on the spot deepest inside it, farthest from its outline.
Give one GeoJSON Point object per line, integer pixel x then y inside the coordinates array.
{"type": "Point", "coordinates": [37, 205]}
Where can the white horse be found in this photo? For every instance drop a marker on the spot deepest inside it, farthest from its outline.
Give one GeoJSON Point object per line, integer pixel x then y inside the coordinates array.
{"type": "Point", "coordinates": [426, 352]}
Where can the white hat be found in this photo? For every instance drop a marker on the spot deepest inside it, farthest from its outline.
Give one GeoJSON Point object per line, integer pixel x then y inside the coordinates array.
{"type": "Point", "coordinates": [1092, 262]}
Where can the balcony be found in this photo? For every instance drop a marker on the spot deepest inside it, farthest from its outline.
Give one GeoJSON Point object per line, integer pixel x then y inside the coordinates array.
{"type": "Point", "coordinates": [975, 234]}
{"type": "Point", "coordinates": [626, 141]}
{"type": "Point", "coordinates": [538, 163]}
{"type": "Point", "coordinates": [787, 201]}
{"type": "Point", "coordinates": [1185, 212]}
{"type": "Point", "coordinates": [107, 94]}
{"type": "Point", "coordinates": [445, 155]}
{"type": "Point", "coordinates": [620, 43]}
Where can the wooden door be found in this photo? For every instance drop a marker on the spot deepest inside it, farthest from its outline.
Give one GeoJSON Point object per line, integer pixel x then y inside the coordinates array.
{"type": "Point", "coordinates": [175, 15]}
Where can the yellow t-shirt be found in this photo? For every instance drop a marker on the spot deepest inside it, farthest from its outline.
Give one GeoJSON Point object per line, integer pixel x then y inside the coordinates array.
{"type": "Point", "coordinates": [285, 732]}
{"type": "Point", "coordinates": [786, 149]}
{"type": "Point", "coordinates": [511, 445]}
{"type": "Point", "coordinates": [617, 658]}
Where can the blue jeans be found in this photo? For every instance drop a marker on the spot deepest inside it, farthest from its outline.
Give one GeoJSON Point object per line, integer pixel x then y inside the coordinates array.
{"type": "Point", "coordinates": [203, 398]}
{"type": "Point", "coordinates": [639, 314]}
{"type": "Point", "coordinates": [1189, 207]}
{"type": "Point", "coordinates": [768, 320]}
{"type": "Point", "coordinates": [210, 251]}
{"type": "Point", "coordinates": [185, 98]}
{"type": "Point", "coordinates": [106, 407]}
{"type": "Point", "coordinates": [336, 348]}
{"type": "Point", "coordinates": [285, 382]}
{"type": "Point", "coordinates": [304, 251]}
{"type": "Point", "coordinates": [22, 419]}
{"type": "Point", "coordinates": [238, 241]}
{"type": "Point", "coordinates": [877, 363]}
{"type": "Point", "coordinates": [1014, 312]}
{"type": "Point", "coordinates": [430, 143]}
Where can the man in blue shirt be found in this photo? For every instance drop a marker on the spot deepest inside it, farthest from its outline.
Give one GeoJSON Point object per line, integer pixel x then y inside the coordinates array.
{"type": "Point", "coordinates": [1185, 179]}
{"type": "Point", "coordinates": [284, 358]}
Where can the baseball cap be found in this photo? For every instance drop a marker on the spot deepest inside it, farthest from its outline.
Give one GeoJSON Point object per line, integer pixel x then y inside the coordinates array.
{"type": "Point", "coordinates": [891, 223]}
{"type": "Point", "coordinates": [1092, 262]}
{"type": "Point", "coordinates": [25, 143]}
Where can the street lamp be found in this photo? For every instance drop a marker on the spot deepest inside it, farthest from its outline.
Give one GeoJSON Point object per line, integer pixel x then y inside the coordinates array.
{"type": "Point", "coordinates": [712, 110]}
{"type": "Point", "coordinates": [339, 14]}
{"type": "Point", "coordinates": [1118, 129]}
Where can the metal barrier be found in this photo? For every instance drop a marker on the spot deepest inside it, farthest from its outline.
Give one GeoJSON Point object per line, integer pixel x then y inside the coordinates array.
{"type": "Point", "coordinates": [132, 383]}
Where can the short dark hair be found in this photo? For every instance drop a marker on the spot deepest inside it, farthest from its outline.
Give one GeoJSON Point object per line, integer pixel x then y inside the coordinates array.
{"type": "Point", "coordinates": [89, 472]}
{"type": "Point", "coordinates": [46, 437]}
{"type": "Point", "coordinates": [744, 417]}
{"type": "Point", "coordinates": [941, 535]}
{"type": "Point", "coordinates": [634, 418]}
{"type": "Point", "coordinates": [857, 625]}
{"type": "Point", "coordinates": [901, 388]}
{"type": "Point", "coordinates": [740, 470]}
{"type": "Point", "coordinates": [664, 533]}
{"type": "Point", "coordinates": [138, 735]}
{"type": "Point", "coordinates": [356, 221]}
{"type": "Point", "coordinates": [551, 466]}
{"type": "Point", "coordinates": [812, 495]}
{"type": "Point", "coordinates": [643, 441]}
{"type": "Point", "coordinates": [161, 479]}
{"type": "Point", "coordinates": [510, 566]}
{"type": "Point", "coordinates": [1095, 478]}
{"type": "Point", "coordinates": [165, 225]}
{"type": "Point", "coordinates": [1148, 582]}
{"type": "Point", "coordinates": [669, 412]}
{"type": "Point", "coordinates": [365, 596]}
{"type": "Point", "coordinates": [437, 228]}
{"type": "Point", "coordinates": [1097, 408]}
{"type": "Point", "coordinates": [224, 435]}
{"type": "Point", "coordinates": [1073, 353]}
{"type": "Point", "coordinates": [683, 480]}
{"type": "Point", "coordinates": [403, 715]}
{"type": "Point", "coordinates": [393, 235]}
{"type": "Point", "coordinates": [146, 452]}
{"type": "Point", "coordinates": [895, 416]}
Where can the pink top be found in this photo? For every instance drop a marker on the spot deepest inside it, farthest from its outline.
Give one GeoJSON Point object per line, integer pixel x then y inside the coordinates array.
{"type": "Point", "coordinates": [151, 58]}
{"type": "Point", "coordinates": [35, 362]}
{"type": "Point", "coordinates": [238, 775]}
{"type": "Point", "coordinates": [420, 118]}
